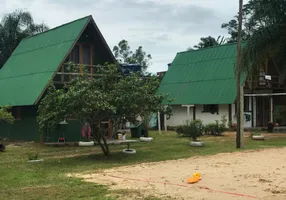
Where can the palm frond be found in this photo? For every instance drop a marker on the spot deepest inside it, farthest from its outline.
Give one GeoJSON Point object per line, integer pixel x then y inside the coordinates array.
{"type": "Point", "coordinates": [264, 44]}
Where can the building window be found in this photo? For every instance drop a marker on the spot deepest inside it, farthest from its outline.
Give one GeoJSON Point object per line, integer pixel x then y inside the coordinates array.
{"type": "Point", "coordinates": [86, 57]}
{"type": "Point", "coordinates": [75, 55]}
{"type": "Point", "coordinates": [213, 108]}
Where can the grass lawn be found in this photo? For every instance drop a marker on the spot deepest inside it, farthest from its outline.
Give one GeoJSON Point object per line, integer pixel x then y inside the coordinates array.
{"type": "Point", "coordinates": [48, 180]}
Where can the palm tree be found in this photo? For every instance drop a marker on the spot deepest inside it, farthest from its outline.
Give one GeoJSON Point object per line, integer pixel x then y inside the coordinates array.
{"type": "Point", "coordinates": [13, 28]}
{"type": "Point", "coordinates": [208, 42]}
{"type": "Point", "coordinates": [268, 42]}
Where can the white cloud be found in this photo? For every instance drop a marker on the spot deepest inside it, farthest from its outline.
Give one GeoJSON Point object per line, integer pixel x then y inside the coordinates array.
{"type": "Point", "coordinates": [162, 27]}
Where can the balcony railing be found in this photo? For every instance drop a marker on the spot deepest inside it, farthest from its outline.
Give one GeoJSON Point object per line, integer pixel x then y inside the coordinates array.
{"type": "Point", "coordinates": [65, 75]}
{"type": "Point", "coordinates": [261, 82]}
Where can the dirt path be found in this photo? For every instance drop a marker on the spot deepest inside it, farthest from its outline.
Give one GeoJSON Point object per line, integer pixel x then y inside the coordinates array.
{"type": "Point", "coordinates": [241, 175]}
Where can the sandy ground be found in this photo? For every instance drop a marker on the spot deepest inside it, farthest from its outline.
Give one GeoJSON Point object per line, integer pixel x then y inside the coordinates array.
{"type": "Point", "coordinates": [240, 175]}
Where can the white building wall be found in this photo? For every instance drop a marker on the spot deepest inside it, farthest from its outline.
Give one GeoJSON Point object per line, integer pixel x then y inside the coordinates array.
{"type": "Point", "coordinates": [210, 118]}
{"type": "Point", "coordinates": [179, 115]}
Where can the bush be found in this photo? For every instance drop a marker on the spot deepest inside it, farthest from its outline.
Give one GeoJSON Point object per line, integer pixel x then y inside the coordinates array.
{"type": "Point", "coordinates": [254, 132]}
{"type": "Point", "coordinates": [179, 129]}
{"type": "Point", "coordinates": [216, 128]}
{"type": "Point", "coordinates": [193, 129]}
{"type": "Point", "coordinates": [32, 156]}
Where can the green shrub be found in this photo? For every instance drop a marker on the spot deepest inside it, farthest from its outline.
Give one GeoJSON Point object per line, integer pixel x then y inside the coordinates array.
{"type": "Point", "coordinates": [179, 129]}
{"type": "Point", "coordinates": [216, 128]}
{"type": "Point", "coordinates": [32, 156]}
{"type": "Point", "coordinates": [193, 129]}
{"type": "Point", "coordinates": [255, 132]}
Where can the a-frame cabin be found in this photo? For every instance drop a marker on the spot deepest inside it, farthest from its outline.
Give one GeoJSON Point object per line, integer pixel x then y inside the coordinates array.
{"type": "Point", "coordinates": [37, 60]}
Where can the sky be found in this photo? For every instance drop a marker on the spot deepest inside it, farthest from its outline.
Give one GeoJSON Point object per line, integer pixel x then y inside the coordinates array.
{"type": "Point", "coordinates": [161, 27]}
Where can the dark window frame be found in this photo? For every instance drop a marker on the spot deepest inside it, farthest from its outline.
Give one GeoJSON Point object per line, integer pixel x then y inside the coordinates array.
{"type": "Point", "coordinates": [211, 108]}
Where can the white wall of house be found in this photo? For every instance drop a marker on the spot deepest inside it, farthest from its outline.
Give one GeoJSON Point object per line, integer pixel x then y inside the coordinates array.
{"type": "Point", "coordinates": [179, 115]}
{"type": "Point", "coordinates": [208, 117]}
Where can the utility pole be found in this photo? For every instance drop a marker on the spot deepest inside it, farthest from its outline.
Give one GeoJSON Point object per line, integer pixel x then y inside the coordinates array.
{"type": "Point", "coordinates": [239, 88]}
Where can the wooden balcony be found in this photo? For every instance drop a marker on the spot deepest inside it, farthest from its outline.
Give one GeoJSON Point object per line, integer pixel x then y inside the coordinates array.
{"type": "Point", "coordinates": [260, 82]}
{"type": "Point", "coordinates": [65, 75]}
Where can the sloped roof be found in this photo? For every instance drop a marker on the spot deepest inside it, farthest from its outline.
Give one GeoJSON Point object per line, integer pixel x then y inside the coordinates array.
{"type": "Point", "coordinates": [204, 76]}
{"type": "Point", "coordinates": [28, 70]}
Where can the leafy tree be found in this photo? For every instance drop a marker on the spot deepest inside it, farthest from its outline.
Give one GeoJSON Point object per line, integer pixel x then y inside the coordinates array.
{"type": "Point", "coordinates": [13, 28]}
{"type": "Point", "coordinates": [5, 115]}
{"type": "Point", "coordinates": [267, 41]}
{"type": "Point", "coordinates": [110, 96]}
{"type": "Point", "coordinates": [123, 54]}
{"type": "Point", "coordinates": [208, 42]}
{"type": "Point", "coordinates": [257, 14]}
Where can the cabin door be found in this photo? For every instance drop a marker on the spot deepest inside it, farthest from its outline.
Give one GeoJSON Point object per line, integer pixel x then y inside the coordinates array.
{"type": "Point", "coordinates": [263, 111]}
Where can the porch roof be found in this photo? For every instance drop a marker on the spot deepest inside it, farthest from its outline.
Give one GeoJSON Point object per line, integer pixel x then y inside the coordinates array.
{"type": "Point", "coordinates": [204, 76]}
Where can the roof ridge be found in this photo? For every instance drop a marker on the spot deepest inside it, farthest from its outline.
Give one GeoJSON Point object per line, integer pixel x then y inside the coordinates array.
{"type": "Point", "coordinates": [88, 16]}
{"type": "Point", "coordinates": [205, 48]}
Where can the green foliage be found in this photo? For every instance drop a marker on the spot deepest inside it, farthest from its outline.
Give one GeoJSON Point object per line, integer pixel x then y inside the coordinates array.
{"type": "Point", "coordinates": [216, 128]}
{"type": "Point", "coordinates": [13, 28]}
{"type": "Point", "coordinates": [123, 54]}
{"type": "Point", "coordinates": [208, 42]}
{"type": "Point", "coordinates": [255, 132]}
{"type": "Point", "coordinates": [193, 129]}
{"type": "Point", "coordinates": [279, 114]}
{"type": "Point", "coordinates": [32, 156]}
{"type": "Point", "coordinates": [179, 129]}
{"type": "Point", "coordinates": [258, 14]}
{"type": "Point", "coordinates": [110, 96]}
{"type": "Point", "coordinates": [5, 115]}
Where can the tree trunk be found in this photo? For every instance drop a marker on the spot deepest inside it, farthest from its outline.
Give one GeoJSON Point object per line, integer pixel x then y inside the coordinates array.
{"type": "Point", "coordinates": [239, 98]}
{"type": "Point", "coordinates": [98, 137]}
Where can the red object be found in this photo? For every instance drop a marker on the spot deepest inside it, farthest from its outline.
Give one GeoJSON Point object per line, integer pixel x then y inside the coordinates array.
{"type": "Point", "coordinates": [233, 125]}
{"type": "Point", "coordinates": [86, 131]}
{"type": "Point", "coordinates": [181, 185]}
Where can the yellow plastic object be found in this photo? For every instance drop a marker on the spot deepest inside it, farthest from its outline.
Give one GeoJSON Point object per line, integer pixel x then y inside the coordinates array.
{"type": "Point", "coordinates": [196, 177]}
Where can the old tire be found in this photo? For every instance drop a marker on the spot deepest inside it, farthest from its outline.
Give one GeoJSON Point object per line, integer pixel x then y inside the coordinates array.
{"type": "Point", "coordinates": [35, 161]}
{"type": "Point", "coordinates": [258, 137]}
{"type": "Point", "coordinates": [129, 151]}
{"type": "Point", "coordinates": [86, 144]}
{"type": "Point", "coordinates": [146, 139]}
{"type": "Point", "coordinates": [197, 143]}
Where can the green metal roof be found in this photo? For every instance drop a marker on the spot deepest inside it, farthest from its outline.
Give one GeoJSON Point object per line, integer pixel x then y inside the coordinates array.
{"type": "Point", "coordinates": [204, 76]}
{"type": "Point", "coordinates": [33, 63]}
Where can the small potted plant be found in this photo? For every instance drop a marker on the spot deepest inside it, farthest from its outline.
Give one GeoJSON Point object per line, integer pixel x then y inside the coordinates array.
{"type": "Point", "coordinates": [33, 157]}
{"type": "Point", "coordinates": [256, 135]}
{"type": "Point", "coordinates": [270, 127]}
{"type": "Point", "coordinates": [194, 129]}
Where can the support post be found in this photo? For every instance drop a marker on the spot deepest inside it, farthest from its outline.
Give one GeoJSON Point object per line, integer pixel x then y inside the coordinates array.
{"type": "Point", "coordinates": [239, 88]}
{"type": "Point", "coordinates": [188, 112]}
{"type": "Point", "coordinates": [165, 122]}
{"type": "Point", "coordinates": [194, 112]}
{"type": "Point", "coordinates": [241, 127]}
{"type": "Point", "coordinates": [271, 109]}
{"type": "Point", "coordinates": [159, 123]}
{"type": "Point", "coordinates": [254, 111]}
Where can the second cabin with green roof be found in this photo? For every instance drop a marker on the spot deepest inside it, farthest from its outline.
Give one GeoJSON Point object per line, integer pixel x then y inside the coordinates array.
{"type": "Point", "coordinates": [202, 85]}
{"type": "Point", "coordinates": [37, 60]}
